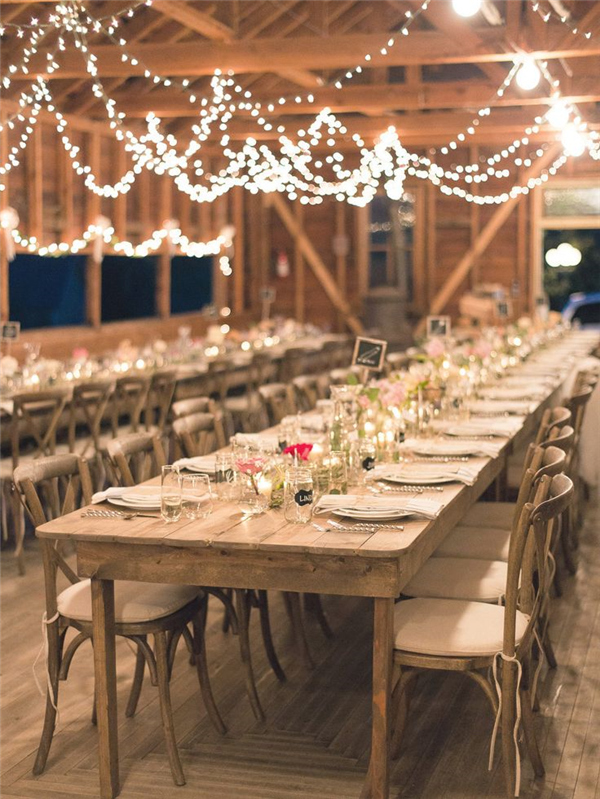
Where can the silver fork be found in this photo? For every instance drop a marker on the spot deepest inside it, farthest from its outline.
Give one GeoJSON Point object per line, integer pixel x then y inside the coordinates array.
{"type": "Point", "coordinates": [117, 514]}
{"type": "Point", "coordinates": [361, 527]}
{"type": "Point", "coordinates": [406, 489]}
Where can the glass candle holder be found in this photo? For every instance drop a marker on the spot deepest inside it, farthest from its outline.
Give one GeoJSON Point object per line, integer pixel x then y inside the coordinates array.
{"type": "Point", "coordinates": [196, 496]}
{"type": "Point", "coordinates": [170, 494]}
{"type": "Point", "coordinates": [298, 497]}
{"type": "Point", "coordinates": [338, 472]}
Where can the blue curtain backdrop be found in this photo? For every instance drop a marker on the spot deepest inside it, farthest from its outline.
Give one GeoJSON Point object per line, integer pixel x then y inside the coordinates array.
{"type": "Point", "coordinates": [191, 284]}
{"type": "Point", "coordinates": [47, 292]}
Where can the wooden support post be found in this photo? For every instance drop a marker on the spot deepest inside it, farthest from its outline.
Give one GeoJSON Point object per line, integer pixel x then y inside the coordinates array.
{"type": "Point", "coordinates": [319, 269]}
{"type": "Point", "coordinates": [143, 182]}
{"type": "Point", "coordinates": [163, 282]}
{"type": "Point", "coordinates": [239, 265]}
{"type": "Point", "coordinates": [220, 281]}
{"type": "Point", "coordinates": [341, 255]}
{"type": "Point", "coordinates": [431, 241]}
{"type": "Point", "coordinates": [488, 232]}
{"type": "Point", "coordinates": [475, 219]}
{"type": "Point", "coordinates": [93, 272]}
{"type": "Point", "coordinates": [65, 192]}
{"type": "Point", "coordinates": [419, 252]}
{"type": "Point", "coordinates": [265, 243]}
{"type": "Point", "coordinates": [4, 298]}
{"type": "Point", "coordinates": [299, 271]}
{"type": "Point", "coordinates": [120, 202]}
{"type": "Point", "coordinates": [35, 185]}
{"type": "Point", "coordinates": [361, 247]}
{"type": "Point", "coordinates": [254, 247]}
{"type": "Point", "coordinates": [520, 274]}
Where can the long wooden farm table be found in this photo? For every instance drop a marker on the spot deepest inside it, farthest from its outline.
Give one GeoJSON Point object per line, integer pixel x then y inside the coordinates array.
{"type": "Point", "coordinates": [264, 552]}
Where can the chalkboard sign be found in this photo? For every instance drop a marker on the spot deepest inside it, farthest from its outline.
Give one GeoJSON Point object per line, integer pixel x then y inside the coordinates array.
{"type": "Point", "coordinates": [370, 353]}
{"type": "Point", "coordinates": [10, 331]}
{"type": "Point", "coordinates": [438, 326]}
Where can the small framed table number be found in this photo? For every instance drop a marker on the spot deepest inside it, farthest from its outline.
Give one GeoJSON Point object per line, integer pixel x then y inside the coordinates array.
{"type": "Point", "coordinates": [502, 309]}
{"type": "Point", "coordinates": [438, 326]}
{"type": "Point", "coordinates": [369, 353]}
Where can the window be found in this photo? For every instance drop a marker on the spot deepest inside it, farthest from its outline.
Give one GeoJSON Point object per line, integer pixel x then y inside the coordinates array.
{"type": "Point", "coordinates": [47, 292]}
{"type": "Point", "coordinates": [391, 231]}
{"type": "Point", "coordinates": [191, 283]}
{"type": "Point", "coordinates": [584, 201]}
{"type": "Point", "coordinates": [128, 288]}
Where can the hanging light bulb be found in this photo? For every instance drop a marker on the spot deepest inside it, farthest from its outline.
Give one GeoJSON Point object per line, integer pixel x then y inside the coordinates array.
{"type": "Point", "coordinates": [528, 75]}
{"type": "Point", "coordinates": [466, 8]}
{"type": "Point", "coordinates": [573, 141]}
{"type": "Point", "coordinates": [558, 114]}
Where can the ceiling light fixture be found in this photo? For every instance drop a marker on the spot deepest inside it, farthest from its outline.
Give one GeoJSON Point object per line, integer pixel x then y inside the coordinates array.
{"type": "Point", "coordinates": [466, 8]}
{"type": "Point", "coordinates": [528, 75]}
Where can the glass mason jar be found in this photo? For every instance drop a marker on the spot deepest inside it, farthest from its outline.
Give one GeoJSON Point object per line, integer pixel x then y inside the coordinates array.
{"type": "Point", "coordinates": [225, 475]}
{"type": "Point", "coordinates": [170, 494]}
{"type": "Point", "coordinates": [299, 497]}
{"type": "Point", "coordinates": [338, 472]}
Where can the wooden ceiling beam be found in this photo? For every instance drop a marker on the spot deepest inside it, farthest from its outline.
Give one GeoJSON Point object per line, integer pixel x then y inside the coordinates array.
{"type": "Point", "coordinates": [372, 98]}
{"type": "Point", "coordinates": [276, 54]}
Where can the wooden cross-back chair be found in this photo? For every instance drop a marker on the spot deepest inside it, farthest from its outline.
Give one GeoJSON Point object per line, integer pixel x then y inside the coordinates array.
{"type": "Point", "coordinates": [577, 405]}
{"type": "Point", "coordinates": [88, 406]}
{"type": "Point", "coordinates": [244, 412]}
{"type": "Point", "coordinates": [292, 363]}
{"type": "Point", "coordinates": [477, 638]}
{"type": "Point", "coordinates": [306, 390]}
{"type": "Point", "coordinates": [551, 418]}
{"type": "Point", "coordinates": [160, 396]}
{"type": "Point", "coordinates": [218, 378]}
{"type": "Point", "coordinates": [35, 417]}
{"type": "Point", "coordinates": [187, 407]}
{"type": "Point", "coordinates": [129, 400]}
{"type": "Point", "coordinates": [141, 610]}
{"type": "Point", "coordinates": [278, 402]}
{"type": "Point", "coordinates": [135, 458]}
{"type": "Point", "coordinates": [198, 434]}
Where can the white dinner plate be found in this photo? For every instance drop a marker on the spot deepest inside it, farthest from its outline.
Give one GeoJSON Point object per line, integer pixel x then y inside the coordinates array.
{"type": "Point", "coordinates": [451, 449]}
{"type": "Point", "coordinates": [134, 505]}
{"type": "Point", "coordinates": [407, 479]}
{"type": "Point", "coordinates": [476, 431]}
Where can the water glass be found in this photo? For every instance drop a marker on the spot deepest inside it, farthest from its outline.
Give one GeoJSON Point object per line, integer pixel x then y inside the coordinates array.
{"type": "Point", "coordinates": [367, 453]}
{"type": "Point", "coordinates": [338, 472]}
{"type": "Point", "coordinates": [298, 496]}
{"type": "Point", "coordinates": [170, 494]}
{"type": "Point", "coordinates": [225, 475]}
{"type": "Point", "coordinates": [196, 496]}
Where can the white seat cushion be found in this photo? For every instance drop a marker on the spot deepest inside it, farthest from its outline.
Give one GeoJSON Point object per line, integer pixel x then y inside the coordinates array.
{"type": "Point", "coordinates": [134, 602]}
{"type": "Point", "coordinates": [485, 543]}
{"type": "Point", "coordinates": [490, 514]}
{"type": "Point", "coordinates": [451, 627]}
{"type": "Point", "coordinates": [459, 578]}
{"type": "Point", "coordinates": [243, 403]}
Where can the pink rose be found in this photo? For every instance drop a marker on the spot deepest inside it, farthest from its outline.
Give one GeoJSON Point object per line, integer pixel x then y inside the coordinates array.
{"type": "Point", "coordinates": [80, 354]}
{"type": "Point", "coordinates": [435, 347]}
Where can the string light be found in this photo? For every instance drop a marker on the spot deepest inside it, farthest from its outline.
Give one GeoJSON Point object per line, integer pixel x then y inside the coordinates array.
{"type": "Point", "coordinates": [466, 8]}
{"type": "Point", "coordinates": [528, 75]}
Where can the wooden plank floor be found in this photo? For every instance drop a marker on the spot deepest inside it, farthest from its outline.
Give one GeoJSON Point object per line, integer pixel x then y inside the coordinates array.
{"type": "Point", "coordinates": [315, 741]}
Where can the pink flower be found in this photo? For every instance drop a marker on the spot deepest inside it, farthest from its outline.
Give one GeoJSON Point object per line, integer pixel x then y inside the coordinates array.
{"type": "Point", "coordinates": [435, 347]}
{"type": "Point", "coordinates": [251, 466]}
{"type": "Point", "coordinates": [363, 401]}
{"type": "Point", "coordinates": [301, 450]}
{"type": "Point", "coordinates": [80, 354]}
{"type": "Point", "coordinates": [482, 349]}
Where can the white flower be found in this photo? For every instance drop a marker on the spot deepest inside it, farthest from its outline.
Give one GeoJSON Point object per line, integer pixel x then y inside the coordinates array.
{"type": "Point", "coordinates": [8, 365]}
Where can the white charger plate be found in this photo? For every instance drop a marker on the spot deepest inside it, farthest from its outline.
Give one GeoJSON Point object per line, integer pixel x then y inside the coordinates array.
{"type": "Point", "coordinates": [417, 481]}
{"type": "Point", "coordinates": [367, 516]}
{"type": "Point", "coordinates": [134, 505]}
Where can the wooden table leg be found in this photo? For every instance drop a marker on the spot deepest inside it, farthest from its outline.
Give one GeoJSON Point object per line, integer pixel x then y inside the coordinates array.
{"type": "Point", "coordinates": [103, 616]}
{"type": "Point", "coordinates": [383, 638]}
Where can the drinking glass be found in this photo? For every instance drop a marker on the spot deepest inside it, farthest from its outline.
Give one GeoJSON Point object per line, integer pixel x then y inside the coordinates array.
{"type": "Point", "coordinates": [367, 452]}
{"type": "Point", "coordinates": [225, 475]}
{"type": "Point", "coordinates": [196, 496]}
{"type": "Point", "coordinates": [338, 472]}
{"type": "Point", "coordinates": [170, 494]}
{"type": "Point", "coordinates": [298, 496]}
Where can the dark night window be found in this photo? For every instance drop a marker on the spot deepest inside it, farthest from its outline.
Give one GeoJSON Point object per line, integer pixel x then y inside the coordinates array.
{"type": "Point", "coordinates": [191, 283]}
{"type": "Point", "coordinates": [47, 292]}
{"type": "Point", "coordinates": [128, 288]}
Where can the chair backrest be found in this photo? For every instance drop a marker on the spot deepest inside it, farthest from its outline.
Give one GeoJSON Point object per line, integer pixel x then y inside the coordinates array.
{"type": "Point", "coordinates": [160, 396]}
{"type": "Point", "coordinates": [260, 370]}
{"type": "Point", "coordinates": [36, 416]}
{"type": "Point", "coordinates": [292, 363]}
{"type": "Point", "coordinates": [577, 405]}
{"type": "Point", "coordinates": [198, 434]}
{"type": "Point", "coordinates": [129, 400]}
{"type": "Point", "coordinates": [586, 378]}
{"type": "Point", "coordinates": [539, 461]}
{"type": "Point", "coordinates": [136, 457]}
{"type": "Point", "coordinates": [527, 583]}
{"type": "Point", "coordinates": [561, 437]}
{"type": "Point", "coordinates": [49, 488]}
{"type": "Point", "coordinates": [88, 406]}
{"type": "Point", "coordinates": [551, 418]}
{"type": "Point", "coordinates": [193, 405]}
{"type": "Point", "coordinates": [278, 401]}
{"type": "Point", "coordinates": [218, 378]}
{"type": "Point", "coordinates": [306, 390]}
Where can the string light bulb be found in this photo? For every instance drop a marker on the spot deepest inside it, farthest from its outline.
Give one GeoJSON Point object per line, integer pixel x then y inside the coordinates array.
{"type": "Point", "coordinates": [528, 75]}
{"type": "Point", "coordinates": [466, 8]}
{"type": "Point", "coordinates": [558, 114]}
{"type": "Point", "coordinates": [573, 141]}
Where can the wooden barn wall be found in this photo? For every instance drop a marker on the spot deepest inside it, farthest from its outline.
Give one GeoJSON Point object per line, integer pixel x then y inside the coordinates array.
{"type": "Point", "coordinates": [53, 204]}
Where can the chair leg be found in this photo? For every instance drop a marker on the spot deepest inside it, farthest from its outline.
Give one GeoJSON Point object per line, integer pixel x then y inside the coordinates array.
{"type": "Point", "coordinates": [226, 613]}
{"type": "Point", "coordinates": [55, 646]}
{"type": "Point", "coordinates": [566, 528]}
{"type": "Point", "coordinates": [295, 612]}
{"type": "Point", "coordinates": [19, 522]}
{"type": "Point", "coordinates": [243, 614]}
{"type": "Point", "coordinates": [136, 686]}
{"type": "Point", "coordinates": [199, 625]}
{"type": "Point", "coordinates": [265, 626]}
{"type": "Point", "coordinates": [529, 734]}
{"type": "Point", "coordinates": [312, 603]}
{"type": "Point", "coordinates": [400, 700]}
{"type": "Point", "coordinates": [510, 751]}
{"type": "Point", "coordinates": [166, 710]}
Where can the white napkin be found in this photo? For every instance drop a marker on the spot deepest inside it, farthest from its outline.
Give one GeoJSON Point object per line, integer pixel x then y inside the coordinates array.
{"type": "Point", "coordinates": [115, 492]}
{"type": "Point", "coordinates": [512, 393]}
{"type": "Point", "coordinates": [445, 447]}
{"type": "Point", "coordinates": [460, 473]}
{"type": "Point", "coordinates": [483, 427]}
{"type": "Point", "coordinates": [312, 421]}
{"type": "Point", "coordinates": [428, 508]}
{"type": "Point", "coordinates": [499, 406]}
{"type": "Point", "coordinates": [202, 463]}
{"type": "Point", "coordinates": [258, 441]}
